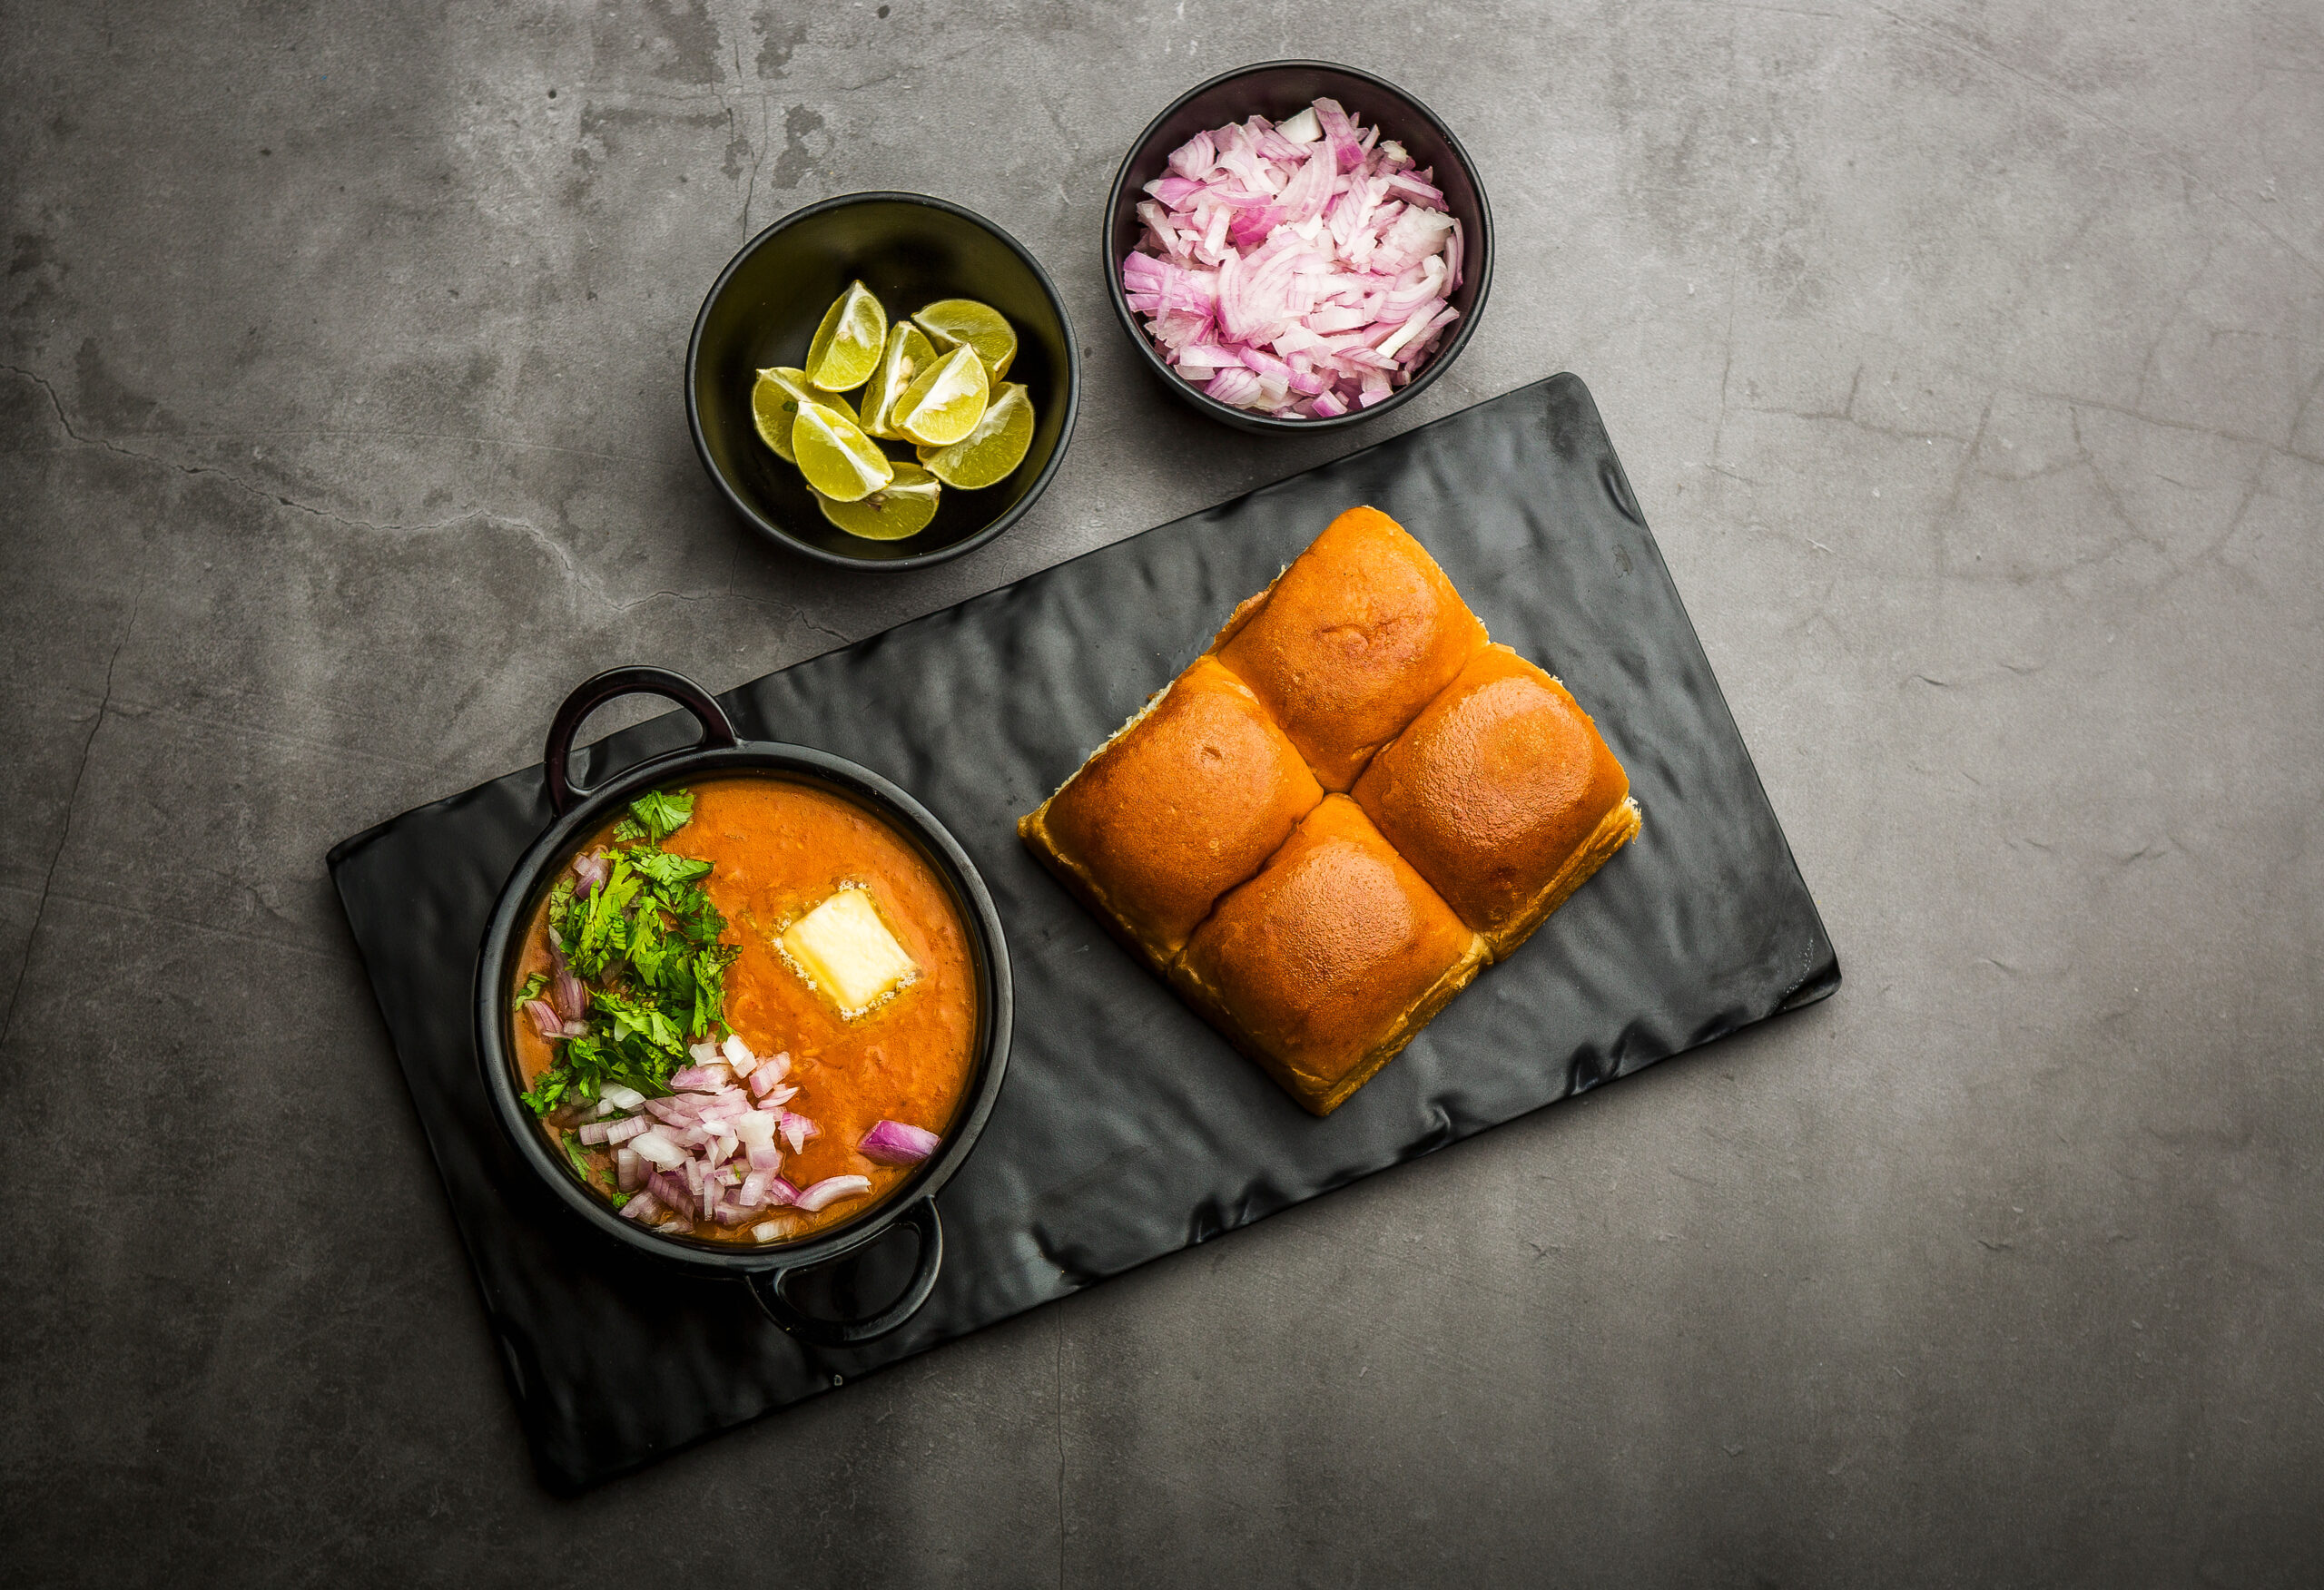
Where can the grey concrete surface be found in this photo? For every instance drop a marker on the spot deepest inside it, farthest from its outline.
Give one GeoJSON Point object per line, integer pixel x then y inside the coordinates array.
{"type": "Point", "coordinates": [1965, 355]}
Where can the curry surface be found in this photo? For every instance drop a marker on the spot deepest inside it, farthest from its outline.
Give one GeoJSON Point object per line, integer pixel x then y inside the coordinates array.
{"type": "Point", "coordinates": [777, 847]}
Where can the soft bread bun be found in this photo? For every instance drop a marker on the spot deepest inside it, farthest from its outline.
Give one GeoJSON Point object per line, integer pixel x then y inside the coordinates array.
{"type": "Point", "coordinates": [1502, 794]}
{"type": "Point", "coordinates": [1323, 966]}
{"type": "Point", "coordinates": [1351, 641]}
{"type": "Point", "coordinates": [1184, 802]}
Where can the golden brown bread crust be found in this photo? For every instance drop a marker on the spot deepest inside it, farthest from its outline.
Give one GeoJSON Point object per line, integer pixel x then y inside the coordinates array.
{"type": "Point", "coordinates": [1187, 801]}
{"type": "Point", "coordinates": [1502, 794]}
{"type": "Point", "coordinates": [1324, 965]}
{"type": "Point", "coordinates": [1351, 642]}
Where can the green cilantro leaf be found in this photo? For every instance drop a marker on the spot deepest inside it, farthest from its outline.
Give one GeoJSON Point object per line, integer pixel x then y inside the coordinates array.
{"type": "Point", "coordinates": [663, 811]}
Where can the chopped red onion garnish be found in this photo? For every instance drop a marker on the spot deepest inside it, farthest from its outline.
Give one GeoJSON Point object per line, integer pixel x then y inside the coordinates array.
{"type": "Point", "coordinates": [1301, 269]}
{"type": "Point", "coordinates": [591, 871]}
{"type": "Point", "coordinates": [565, 993]}
{"type": "Point", "coordinates": [546, 1020]}
{"type": "Point", "coordinates": [892, 1142]}
{"type": "Point", "coordinates": [831, 1190]}
{"type": "Point", "coordinates": [713, 1150]}
{"type": "Point", "coordinates": [675, 1112]}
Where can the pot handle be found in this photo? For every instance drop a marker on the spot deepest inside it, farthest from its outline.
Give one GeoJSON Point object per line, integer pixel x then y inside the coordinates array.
{"type": "Point", "coordinates": [767, 1287]}
{"type": "Point", "coordinates": [717, 728]}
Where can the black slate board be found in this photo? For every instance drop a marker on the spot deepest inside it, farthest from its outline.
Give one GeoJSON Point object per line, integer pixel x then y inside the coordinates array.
{"type": "Point", "coordinates": [1127, 1130]}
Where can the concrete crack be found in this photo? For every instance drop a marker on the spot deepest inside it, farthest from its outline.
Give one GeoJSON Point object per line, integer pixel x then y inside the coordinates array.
{"type": "Point", "coordinates": [72, 805]}
{"type": "Point", "coordinates": [1960, 481]}
{"type": "Point", "coordinates": [228, 477]}
{"type": "Point", "coordinates": [579, 585]}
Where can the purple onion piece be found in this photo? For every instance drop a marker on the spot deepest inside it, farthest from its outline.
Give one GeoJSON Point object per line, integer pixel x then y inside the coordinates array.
{"type": "Point", "coordinates": [892, 1143]}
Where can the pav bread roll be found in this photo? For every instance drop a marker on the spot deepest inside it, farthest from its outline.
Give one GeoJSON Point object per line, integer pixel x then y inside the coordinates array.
{"type": "Point", "coordinates": [1350, 642]}
{"type": "Point", "coordinates": [1502, 794]}
{"type": "Point", "coordinates": [1187, 800]}
{"type": "Point", "coordinates": [1324, 965]}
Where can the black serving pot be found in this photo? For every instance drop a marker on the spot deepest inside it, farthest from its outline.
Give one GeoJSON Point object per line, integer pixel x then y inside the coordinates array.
{"type": "Point", "coordinates": [911, 250]}
{"type": "Point", "coordinates": [1277, 89]}
{"type": "Point", "coordinates": [580, 812]}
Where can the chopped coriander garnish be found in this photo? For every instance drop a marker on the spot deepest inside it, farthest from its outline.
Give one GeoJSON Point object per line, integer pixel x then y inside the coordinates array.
{"type": "Point", "coordinates": [646, 944]}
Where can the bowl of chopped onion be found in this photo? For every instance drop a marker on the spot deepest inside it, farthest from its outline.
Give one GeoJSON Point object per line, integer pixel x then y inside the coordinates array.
{"type": "Point", "coordinates": [1297, 244]}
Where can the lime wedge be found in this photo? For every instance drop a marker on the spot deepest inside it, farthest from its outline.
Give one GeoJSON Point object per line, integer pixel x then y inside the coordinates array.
{"type": "Point", "coordinates": [991, 453]}
{"type": "Point", "coordinates": [944, 401]}
{"type": "Point", "coordinates": [907, 354]}
{"type": "Point", "coordinates": [847, 344]}
{"type": "Point", "coordinates": [902, 507]}
{"type": "Point", "coordinates": [839, 461]}
{"type": "Point", "coordinates": [775, 405]}
{"type": "Point", "coordinates": [951, 322]}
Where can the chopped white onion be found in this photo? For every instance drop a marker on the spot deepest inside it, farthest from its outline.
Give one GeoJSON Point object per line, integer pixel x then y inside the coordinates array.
{"type": "Point", "coordinates": [658, 1150]}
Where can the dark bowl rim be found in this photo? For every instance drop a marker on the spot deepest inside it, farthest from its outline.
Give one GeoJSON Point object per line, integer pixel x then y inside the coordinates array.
{"type": "Point", "coordinates": [1246, 419]}
{"type": "Point", "coordinates": [1016, 511]}
{"type": "Point", "coordinates": [982, 921]}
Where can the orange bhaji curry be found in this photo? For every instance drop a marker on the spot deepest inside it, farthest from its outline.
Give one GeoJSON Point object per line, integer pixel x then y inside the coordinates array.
{"type": "Point", "coordinates": [746, 1010]}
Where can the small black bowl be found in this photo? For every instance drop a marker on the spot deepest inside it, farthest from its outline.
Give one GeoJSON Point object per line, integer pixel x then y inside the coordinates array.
{"type": "Point", "coordinates": [1277, 89]}
{"type": "Point", "coordinates": [911, 250]}
{"type": "Point", "coordinates": [580, 812]}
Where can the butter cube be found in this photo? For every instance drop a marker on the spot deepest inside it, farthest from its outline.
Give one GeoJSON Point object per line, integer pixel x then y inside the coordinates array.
{"type": "Point", "coordinates": [846, 950]}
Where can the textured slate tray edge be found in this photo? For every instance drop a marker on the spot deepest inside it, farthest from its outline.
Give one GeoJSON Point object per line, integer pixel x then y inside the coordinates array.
{"type": "Point", "coordinates": [1821, 983]}
{"type": "Point", "coordinates": [645, 737]}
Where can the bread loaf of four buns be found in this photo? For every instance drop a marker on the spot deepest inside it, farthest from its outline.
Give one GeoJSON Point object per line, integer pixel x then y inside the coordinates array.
{"type": "Point", "coordinates": [1323, 828]}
